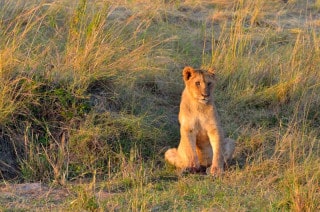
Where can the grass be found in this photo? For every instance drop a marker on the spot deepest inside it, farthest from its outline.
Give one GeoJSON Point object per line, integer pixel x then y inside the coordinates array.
{"type": "Point", "coordinates": [90, 96]}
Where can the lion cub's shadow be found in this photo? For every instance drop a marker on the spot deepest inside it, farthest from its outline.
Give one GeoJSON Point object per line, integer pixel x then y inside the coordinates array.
{"type": "Point", "coordinates": [231, 164]}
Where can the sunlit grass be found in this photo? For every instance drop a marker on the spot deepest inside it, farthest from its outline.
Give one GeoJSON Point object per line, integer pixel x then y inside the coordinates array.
{"type": "Point", "coordinates": [89, 96]}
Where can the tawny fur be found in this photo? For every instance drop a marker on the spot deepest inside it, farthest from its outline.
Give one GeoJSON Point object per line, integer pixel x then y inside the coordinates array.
{"type": "Point", "coordinates": [202, 141]}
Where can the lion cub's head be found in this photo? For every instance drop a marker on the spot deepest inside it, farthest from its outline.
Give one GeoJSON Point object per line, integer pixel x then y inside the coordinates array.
{"type": "Point", "coordinates": [199, 83]}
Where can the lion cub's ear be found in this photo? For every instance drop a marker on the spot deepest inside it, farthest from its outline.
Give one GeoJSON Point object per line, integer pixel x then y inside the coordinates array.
{"type": "Point", "coordinates": [212, 71]}
{"type": "Point", "coordinates": [187, 73]}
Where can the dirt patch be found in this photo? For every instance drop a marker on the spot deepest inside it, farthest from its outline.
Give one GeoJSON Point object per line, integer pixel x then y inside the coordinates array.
{"type": "Point", "coordinates": [31, 195]}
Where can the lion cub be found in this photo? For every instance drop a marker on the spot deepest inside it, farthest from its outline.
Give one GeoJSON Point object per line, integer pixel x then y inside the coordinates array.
{"type": "Point", "coordinates": [202, 142]}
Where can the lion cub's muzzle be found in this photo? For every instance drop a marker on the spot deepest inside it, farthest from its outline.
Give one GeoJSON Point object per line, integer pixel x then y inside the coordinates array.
{"type": "Point", "coordinates": [205, 95]}
{"type": "Point", "coordinates": [205, 98]}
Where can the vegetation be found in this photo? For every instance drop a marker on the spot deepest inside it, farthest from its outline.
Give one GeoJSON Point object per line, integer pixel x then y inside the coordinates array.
{"type": "Point", "coordinates": [89, 97]}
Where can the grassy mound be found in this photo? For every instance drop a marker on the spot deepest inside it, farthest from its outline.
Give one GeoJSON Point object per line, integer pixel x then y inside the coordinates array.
{"type": "Point", "coordinates": [89, 97]}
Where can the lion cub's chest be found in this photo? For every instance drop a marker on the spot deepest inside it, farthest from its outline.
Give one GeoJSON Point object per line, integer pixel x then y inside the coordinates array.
{"type": "Point", "coordinates": [198, 120]}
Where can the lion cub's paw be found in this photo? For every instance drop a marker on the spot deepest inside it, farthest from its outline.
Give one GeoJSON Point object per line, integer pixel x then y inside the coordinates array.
{"type": "Point", "coordinates": [215, 171]}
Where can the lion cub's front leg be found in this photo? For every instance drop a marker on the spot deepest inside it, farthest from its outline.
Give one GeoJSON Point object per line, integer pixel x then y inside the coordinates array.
{"type": "Point", "coordinates": [187, 149]}
{"type": "Point", "coordinates": [185, 156]}
{"type": "Point", "coordinates": [217, 146]}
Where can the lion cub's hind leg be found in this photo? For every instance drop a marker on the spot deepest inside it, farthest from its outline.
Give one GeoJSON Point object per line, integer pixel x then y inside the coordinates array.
{"type": "Point", "coordinates": [229, 146]}
{"type": "Point", "coordinates": [204, 153]}
{"type": "Point", "coordinates": [173, 157]}
{"type": "Point", "coordinates": [205, 157]}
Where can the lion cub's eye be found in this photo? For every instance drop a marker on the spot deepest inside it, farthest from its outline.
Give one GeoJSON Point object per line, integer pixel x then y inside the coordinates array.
{"type": "Point", "coordinates": [197, 83]}
{"type": "Point", "coordinates": [209, 83]}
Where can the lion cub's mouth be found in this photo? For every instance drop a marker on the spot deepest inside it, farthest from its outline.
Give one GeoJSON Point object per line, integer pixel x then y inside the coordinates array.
{"type": "Point", "coordinates": [204, 100]}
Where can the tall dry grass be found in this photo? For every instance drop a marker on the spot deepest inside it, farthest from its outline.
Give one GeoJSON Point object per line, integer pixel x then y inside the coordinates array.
{"type": "Point", "coordinates": [90, 93]}
{"type": "Point", "coordinates": [62, 65]}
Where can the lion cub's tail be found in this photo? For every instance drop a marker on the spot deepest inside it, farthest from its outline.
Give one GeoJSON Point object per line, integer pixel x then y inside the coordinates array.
{"type": "Point", "coordinates": [173, 157]}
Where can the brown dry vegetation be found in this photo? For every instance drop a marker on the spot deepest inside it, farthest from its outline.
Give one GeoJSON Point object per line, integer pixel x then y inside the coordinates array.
{"type": "Point", "coordinates": [89, 96]}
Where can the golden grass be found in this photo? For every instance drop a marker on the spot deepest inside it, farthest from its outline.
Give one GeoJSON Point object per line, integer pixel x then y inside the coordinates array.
{"type": "Point", "coordinates": [89, 92]}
